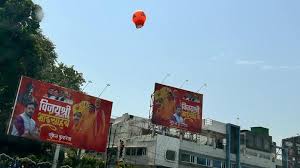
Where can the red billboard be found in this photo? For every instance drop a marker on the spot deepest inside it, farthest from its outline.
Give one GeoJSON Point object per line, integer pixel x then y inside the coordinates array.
{"type": "Point", "coordinates": [51, 113]}
{"type": "Point", "coordinates": [173, 107]}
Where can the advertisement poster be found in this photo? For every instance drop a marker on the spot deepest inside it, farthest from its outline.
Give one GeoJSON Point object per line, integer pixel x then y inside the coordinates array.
{"type": "Point", "coordinates": [177, 108]}
{"type": "Point", "coordinates": [51, 113]}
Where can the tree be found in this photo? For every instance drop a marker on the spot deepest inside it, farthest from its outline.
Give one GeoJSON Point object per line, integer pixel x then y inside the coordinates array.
{"type": "Point", "coordinates": [24, 50]}
{"type": "Point", "coordinates": [63, 75]}
{"type": "Point", "coordinates": [87, 161]}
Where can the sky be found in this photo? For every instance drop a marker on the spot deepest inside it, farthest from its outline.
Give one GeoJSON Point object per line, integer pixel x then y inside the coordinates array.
{"type": "Point", "coordinates": [247, 52]}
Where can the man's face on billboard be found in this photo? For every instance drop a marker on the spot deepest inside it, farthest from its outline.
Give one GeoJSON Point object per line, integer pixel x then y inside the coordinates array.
{"type": "Point", "coordinates": [56, 93]}
{"type": "Point", "coordinates": [50, 91]}
{"type": "Point", "coordinates": [29, 110]}
{"type": "Point", "coordinates": [67, 95]}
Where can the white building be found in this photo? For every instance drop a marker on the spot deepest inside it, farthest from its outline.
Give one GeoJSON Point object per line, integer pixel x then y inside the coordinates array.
{"type": "Point", "coordinates": [165, 147]}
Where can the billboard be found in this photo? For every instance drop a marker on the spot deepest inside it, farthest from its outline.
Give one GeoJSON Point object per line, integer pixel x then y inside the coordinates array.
{"type": "Point", "coordinates": [51, 113]}
{"type": "Point", "coordinates": [177, 108]}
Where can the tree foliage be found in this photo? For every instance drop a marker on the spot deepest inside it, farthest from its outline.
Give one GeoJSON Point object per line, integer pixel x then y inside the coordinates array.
{"type": "Point", "coordinates": [24, 50]}
{"type": "Point", "coordinates": [87, 161]}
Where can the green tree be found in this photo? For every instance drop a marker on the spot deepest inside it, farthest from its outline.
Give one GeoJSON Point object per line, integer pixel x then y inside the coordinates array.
{"type": "Point", "coordinates": [87, 161]}
{"type": "Point", "coordinates": [24, 50]}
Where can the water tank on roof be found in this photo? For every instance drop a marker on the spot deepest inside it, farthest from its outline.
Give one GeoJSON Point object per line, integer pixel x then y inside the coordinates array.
{"type": "Point", "coordinates": [260, 131]}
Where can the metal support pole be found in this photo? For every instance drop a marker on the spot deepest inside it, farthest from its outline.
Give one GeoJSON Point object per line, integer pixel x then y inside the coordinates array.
{"type": "Point", "coordinates": [107, 85]}
{"type": "Point", "coordinates": [108, 153]}
{"type": "Point", "coordinates": [285, 158]}
{"type": "Point", "coordinates": [238, 159]}
{"type": "Point", "coordinates": [228, 141]}
{"type": "Point", "coordinates": [56, 155]}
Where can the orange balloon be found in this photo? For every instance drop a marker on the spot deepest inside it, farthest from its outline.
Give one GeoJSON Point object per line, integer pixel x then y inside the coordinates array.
{"type": "Point", "coordinates": [139, 18]}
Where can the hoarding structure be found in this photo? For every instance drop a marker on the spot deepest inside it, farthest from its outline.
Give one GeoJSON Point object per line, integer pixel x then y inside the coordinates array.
{"type": "Point", "coordinates": [177, 108]}
{"type": "Point", "coordinates": [51, 113]}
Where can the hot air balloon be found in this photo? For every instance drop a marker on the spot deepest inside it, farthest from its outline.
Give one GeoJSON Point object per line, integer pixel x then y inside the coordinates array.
{"type": "Point", "coordinates": [139, 18]}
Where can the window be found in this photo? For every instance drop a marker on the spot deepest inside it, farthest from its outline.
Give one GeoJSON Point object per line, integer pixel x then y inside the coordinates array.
{"type": "Point", "coordinates": [192, 159]}
{"type": "Point", "coordinates": [220, 144]}
{"type": "Point", "coordinates": [170, 155]}
{"type": "Point", "coordinates": [133, 152]}
{"type": "Point", "coordinates": [209, 162]}
{"type": "Point", "coordinates": [217, 164]}
{"type": "Point", "coordinates": [185, 157]}
{"type": "Point", "coordinates": [136, 151]}
{"type": "Point", "coordinates": [201, 161]}
{"type": "Point", "coordinates": [141, 151]}
{"type": "Point", "coordinates": [223, 165]}
{"type": "Point", "coordinates": [128, 151]}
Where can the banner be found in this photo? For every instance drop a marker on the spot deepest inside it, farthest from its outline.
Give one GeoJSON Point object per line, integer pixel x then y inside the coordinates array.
{"type": "Point", "coordinates": [173, 107]}
{"type": "Point", "coordinates": [60, 115]}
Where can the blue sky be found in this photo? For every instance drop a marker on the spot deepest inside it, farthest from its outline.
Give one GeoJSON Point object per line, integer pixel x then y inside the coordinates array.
{"type": "Point", "coordinates": [246, 51]}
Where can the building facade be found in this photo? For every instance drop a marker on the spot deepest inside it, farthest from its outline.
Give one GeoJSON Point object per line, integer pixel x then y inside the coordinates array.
{"type": "Point", "coordinates": [291, 152]}
{"type": "Point", "coordinates": [219, 145]}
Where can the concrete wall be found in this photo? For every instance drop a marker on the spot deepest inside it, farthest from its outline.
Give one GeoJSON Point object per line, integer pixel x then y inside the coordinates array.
{"type": "Point", "coordinates": [165, 143]}
{"type": "Point", "coordinates": [129, 128]}
{"type": "Point", "coordinates": [252, 157]}
{"type": "Point", "coordinates": [149, 143]}
{"type": "Point", "coordinates": [202, 149]}
{"type": "Point", "coordinates": [213, 125]}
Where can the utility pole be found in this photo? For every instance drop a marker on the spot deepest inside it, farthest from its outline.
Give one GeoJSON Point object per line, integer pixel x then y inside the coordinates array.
{"type": "Point", "coordinates": [108, 153]}
{"type": "Point", "coordinates": [58, 146]}
{"type": "Point", "coordinates": [56, 155]}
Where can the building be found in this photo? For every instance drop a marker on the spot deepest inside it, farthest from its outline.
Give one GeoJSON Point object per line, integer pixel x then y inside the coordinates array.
{"type": "Point", "coordinates": [137, 142]}
{"type": "Point", "coordinates": [292, 152]}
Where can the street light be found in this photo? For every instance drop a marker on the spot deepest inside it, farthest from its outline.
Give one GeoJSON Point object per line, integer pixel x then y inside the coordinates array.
{"type": "Point", "coordinates": [86, 85]}
{"type": "Point", "coordinates": [204, 85]}
{"type": "Point", "coordinates": [107, 85]}
{"type": "Point", "coordinates": [183, 83]}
